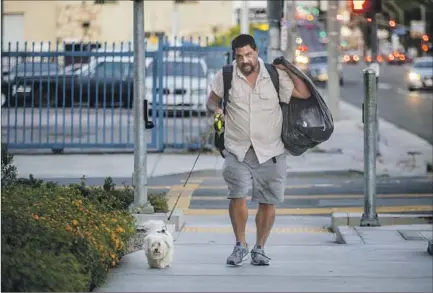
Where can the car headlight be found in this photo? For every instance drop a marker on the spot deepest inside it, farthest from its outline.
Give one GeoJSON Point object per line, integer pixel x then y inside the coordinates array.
{"type": "Point", "coordinates": [413, 76]}
{"type": "Point", "coordinates": [302, 59]}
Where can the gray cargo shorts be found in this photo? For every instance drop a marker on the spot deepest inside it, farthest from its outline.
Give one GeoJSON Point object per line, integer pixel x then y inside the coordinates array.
{"type": "Point", "coordinates": [267, 180]}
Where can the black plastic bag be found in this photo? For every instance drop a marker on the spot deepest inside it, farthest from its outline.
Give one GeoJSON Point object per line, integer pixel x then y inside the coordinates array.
{"type": "Point", "coordinates": [306, 122]}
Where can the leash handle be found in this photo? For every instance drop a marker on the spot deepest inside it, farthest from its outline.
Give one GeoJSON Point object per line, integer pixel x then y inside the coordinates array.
{"type": "Point", "coordinates": [219, 123]}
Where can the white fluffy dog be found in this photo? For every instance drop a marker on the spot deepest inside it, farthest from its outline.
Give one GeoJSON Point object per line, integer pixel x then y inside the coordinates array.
{"type": "Point", "coordinates": [158, 244]}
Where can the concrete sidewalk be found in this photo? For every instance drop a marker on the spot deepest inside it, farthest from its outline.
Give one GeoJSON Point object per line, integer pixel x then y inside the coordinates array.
{"type": "Point", "coordinates": [305, 258]}
{"type": "Point", "coordinates": [403, 154]}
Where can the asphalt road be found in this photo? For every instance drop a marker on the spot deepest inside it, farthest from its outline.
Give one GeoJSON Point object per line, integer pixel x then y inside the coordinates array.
{"type": "Point", "coordinates": [412, 111]}
{"type": "Point", "coordinates": [304, 195]}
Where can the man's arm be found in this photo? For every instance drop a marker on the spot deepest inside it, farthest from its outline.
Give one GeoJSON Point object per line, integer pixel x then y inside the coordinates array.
{"type": "Point", "coordinates": [215, 96]}
{"type": "Point", "coordinates": [213, 103]}
{"type": "Point", "coordinates": [300, 89]}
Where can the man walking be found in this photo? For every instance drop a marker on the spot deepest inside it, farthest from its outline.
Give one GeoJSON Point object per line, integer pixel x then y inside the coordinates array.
{"type": "Point", "coordinates": [254, 151]}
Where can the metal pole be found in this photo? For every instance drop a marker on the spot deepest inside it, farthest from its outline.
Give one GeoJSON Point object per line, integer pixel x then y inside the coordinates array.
{"type": "Point", "coordinates": [2, 23]}
{"type": "Point", "coordinates": [370, 218]}
{"type": "Point", "coordinates": [141, 204]}
{"type": "Point", "coordinates": [423, 16]}
{"type": "Point", "coordinates": [245, 28]}
{"type": "Point", "coordinates": [424, 20]}
{"type": "Point", "coordinates": [274, 18]}
{"type": "Point", "coordinates": [175, 23]}
{"type": "Point", "coordinates": [294, 30]}
{"type": "Point", "coordinates": [333, 58]}
{"type": "Point", "coordinates": [374, 65]}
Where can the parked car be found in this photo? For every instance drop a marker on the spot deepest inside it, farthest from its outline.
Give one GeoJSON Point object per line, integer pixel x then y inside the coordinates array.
{"type": "Point", "coordinates": [107, 81]}
{"type": "Point", "coordinates": [101, 82]}
{"type": "Point", "coordinates": [420, 75]}
{"type": "Point", "coordinates": [20, 83]}
{"type": "Point", "coordinates": [186, 84]}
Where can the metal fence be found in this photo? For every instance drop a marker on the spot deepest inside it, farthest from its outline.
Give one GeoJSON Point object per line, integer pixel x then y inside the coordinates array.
{"type": "Point", "coordinates": [82, 98]}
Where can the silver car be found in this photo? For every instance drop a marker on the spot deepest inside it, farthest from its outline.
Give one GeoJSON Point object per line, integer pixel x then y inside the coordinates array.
{"type": "Point", "coordinates": [420, 75]}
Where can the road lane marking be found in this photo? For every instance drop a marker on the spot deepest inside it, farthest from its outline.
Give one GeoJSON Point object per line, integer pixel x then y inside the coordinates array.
{"type": "Point", "coordinates": [315, 211]}
{"type": "Point", "coordinates": [149, 187]}
{"type": "Point", "coordinates": [323, 196]}
{"type": "Point", "coordinates": [185, 194]}
{"type": "Point", "coordinates": [253, 230]}
{"type": "Point", "coordinates": [293, 186]}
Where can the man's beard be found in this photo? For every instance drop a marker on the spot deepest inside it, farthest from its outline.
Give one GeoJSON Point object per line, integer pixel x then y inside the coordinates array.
{"type": "Point", "coordinates": [247, 68]}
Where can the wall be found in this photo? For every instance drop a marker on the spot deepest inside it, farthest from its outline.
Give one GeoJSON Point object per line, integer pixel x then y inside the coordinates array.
{"type": "Point", "coordinates": [113, 22]}
{"type": "Point", "coordinates": [39, 18]}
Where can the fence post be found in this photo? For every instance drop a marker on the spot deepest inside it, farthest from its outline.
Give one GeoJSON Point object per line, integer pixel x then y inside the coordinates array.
{"type": "Point", "coordinates": [141, 203]}
{"type": "Point", "coordinates": [370, 218]}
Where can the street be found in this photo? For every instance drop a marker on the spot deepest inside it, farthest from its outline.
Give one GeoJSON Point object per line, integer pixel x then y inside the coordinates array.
{"type": "Point", "coordinates": [206, 193]}
{"type": "Point", "coordinates": [412, 111]}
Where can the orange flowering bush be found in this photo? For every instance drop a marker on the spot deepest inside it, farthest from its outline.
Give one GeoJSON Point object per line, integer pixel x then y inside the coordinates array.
{"type": "Point", "coordinates": [56, 239]}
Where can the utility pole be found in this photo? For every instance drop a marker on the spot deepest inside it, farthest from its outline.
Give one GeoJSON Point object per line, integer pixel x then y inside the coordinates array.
{"type": "Point", "coordinates": [291, 20]}
{"type": "Point", "coordinates": [423, 17]}
{"type": "Point", "coordinates": [141, 204]}
{"type": "Point", "coordinates": [274, 9]}
{"type": "Point", "coordinates": [333, 58]}
{"type": "Point", "coordinates": [244, 17]}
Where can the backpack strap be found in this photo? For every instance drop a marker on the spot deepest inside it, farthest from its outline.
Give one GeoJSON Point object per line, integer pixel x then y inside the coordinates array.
{"type": "Point", "coordinates": [274, 77]}
{"type": "Point", "coordinates": [227, 81]}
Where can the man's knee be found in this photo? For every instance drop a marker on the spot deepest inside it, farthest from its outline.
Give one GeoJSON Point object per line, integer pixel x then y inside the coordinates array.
{"type": "Point", "coordinates": [238, 201]}
{"type": "Point", "coordinates": [266, 206]}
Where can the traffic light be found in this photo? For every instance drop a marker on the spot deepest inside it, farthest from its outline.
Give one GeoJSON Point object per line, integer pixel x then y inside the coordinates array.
{"type": "Point", "coordinates": [366, 6]}
{"type": "Point", "coordinates": [425, 38]}
{"type": "Point", "coordinates": [392, 23]}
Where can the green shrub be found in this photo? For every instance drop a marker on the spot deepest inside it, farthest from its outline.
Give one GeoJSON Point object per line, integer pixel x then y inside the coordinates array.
{"type": "Point", "coordinates": [159, 202]}
{"type": "Point", "coordinates": [59, 221]}
{"type": "Point", "coordinates": [120, 198]}
{"type": "Point", "coordinates": [9, 171]}
{"type": "Point", "coordinates": [62, 238]}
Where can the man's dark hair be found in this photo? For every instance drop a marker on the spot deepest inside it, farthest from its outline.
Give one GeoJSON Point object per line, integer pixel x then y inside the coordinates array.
{"type": "Point", "coordinates": [243, 40]}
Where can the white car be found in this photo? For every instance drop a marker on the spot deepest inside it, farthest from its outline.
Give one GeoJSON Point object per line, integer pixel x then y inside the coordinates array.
{"type": "Point", "coordinates": [420, 75]}
{"type": "Point", "coordinates": [185, 84]}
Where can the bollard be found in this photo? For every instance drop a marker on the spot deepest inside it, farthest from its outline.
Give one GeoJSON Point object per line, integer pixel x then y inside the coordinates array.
{"type": "Point", "coordinates": [370, 218]}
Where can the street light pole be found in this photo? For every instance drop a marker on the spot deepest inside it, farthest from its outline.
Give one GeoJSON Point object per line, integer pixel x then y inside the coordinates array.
{"type": "Point", "coordinates": [333, 58]}
{"type": "Point", "coordinates": [141, 204]}
{"type": "Point", "coordinates": [245, 28]}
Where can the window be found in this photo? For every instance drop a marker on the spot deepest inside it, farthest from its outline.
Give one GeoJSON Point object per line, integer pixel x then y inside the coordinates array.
{"type": "Point", "coordinates": [30, 68]}
{"type": "Point", "coordinates": [320, 59]}
{"type": "Point", "coordinates": [112, 70]}
{"type": "Point", "coordinates": [423, 64]}
{"type": "Point", "coordinates": [179, 68]}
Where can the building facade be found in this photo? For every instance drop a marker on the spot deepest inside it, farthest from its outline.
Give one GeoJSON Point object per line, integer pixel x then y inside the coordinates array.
{"type": "Point", "coordinates": [109, 20]}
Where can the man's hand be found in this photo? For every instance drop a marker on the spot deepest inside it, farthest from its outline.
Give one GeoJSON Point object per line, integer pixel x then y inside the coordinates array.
{"type": "Point", "coordinates": [219, 111]}
{"type": "Point", "coordinates": [301, 90]}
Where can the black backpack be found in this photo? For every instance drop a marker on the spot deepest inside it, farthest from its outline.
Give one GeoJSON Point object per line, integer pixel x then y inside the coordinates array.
{"type": "Point", "coordinates": [227, 81]}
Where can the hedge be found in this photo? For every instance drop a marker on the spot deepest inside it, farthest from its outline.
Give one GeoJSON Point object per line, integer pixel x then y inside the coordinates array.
{"type": "Point", "coordinates": [62, 238]}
